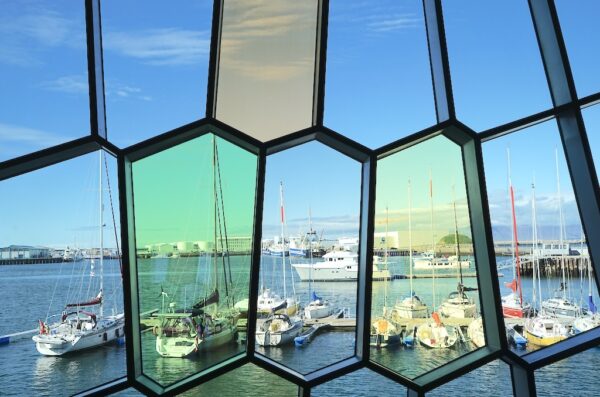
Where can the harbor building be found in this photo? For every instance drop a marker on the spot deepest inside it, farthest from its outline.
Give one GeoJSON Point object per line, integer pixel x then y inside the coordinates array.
{"type": "Point", "coordinates": [25, 252]}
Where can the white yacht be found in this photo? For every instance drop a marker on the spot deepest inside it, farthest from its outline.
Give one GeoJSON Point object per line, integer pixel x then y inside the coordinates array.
{"type": "Point", "coordinates": [337, 266]}
{"type": "Point", "coordinates": [278, 329]}
{"type": "Point", "coordinates": [428, 261]}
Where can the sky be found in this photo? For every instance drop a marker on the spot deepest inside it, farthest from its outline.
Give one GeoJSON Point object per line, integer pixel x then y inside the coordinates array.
{"type": "Point", "coordinates": [378, 89]}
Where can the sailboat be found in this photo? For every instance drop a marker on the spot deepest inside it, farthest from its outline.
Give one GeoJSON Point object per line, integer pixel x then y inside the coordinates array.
{"type": "Point", "coordinates": [475, 332]}
{"type": "Point", "coordinates": [207, 325]}
{"type": "Point", "coordinates": [317, 307]}
{"type": "Point", "coordinates": [433, 333]}
{"type": "Point", "coordinates": [280, 327]}
{"type": "Point", "coordinates": [383, 332]}
{"type": "Point", "coordinates": [513, 305]}
{"type": "Point", "coordinates": [592, 318]}
{"type": "Point", "coordinates": [411, 306]}
{"type": "Point", "coordinates": [458, 304]}
{"type": "Point", "coordinates": [80, 328]}
{"type": "Point", "coordinates": [540, 329]}
{"type": "Point", "coordinates": [561, 305]}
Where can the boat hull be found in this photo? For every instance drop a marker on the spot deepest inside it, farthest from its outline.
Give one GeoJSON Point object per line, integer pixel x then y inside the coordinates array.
{"type": "Point", "coordinates": [276, 338]}
{"type": "Point", "coordinates": [55, 345]}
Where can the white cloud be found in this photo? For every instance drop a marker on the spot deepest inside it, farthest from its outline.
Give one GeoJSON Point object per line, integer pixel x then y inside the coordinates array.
{"type": "Point", "coordinates": [29, 136]}
{"type": "Point", "coordinates": [72, 84]}
{"type": "Point", "coordinates": [116, 90]}
{"type": "Point", "coordinates": [169, 46]}
{"type": "Point", "coordinates": [384, 24]}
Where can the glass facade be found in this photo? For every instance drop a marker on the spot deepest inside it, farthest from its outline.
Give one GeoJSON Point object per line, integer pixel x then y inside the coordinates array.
{"type": "Point", "coordinates": [473, 246]}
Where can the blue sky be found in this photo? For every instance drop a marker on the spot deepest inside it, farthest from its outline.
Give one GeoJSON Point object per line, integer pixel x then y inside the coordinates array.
{"type": "Point", "coordinates": [378, 89]}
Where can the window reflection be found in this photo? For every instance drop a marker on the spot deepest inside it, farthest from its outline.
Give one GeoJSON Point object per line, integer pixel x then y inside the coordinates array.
{"type": "Point", "coordinates": [429, 314]}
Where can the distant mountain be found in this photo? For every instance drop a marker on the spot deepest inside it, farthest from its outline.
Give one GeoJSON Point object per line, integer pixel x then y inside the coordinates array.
{"type": "Point", "coordinates": [451, 239]}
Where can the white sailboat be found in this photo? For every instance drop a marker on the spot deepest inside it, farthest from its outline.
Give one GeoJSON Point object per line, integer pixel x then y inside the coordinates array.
{"type": "Point", "coordinates": [80, 329]}
{"type": "Point", "coordinates": [383, 332]}
{"type": "Point", "coordinates": [280, 328]}
{"type": "Point", "coordinates": [561, 305]}
{"type": "Point", "coordinates": [540, 329]}
{"type": "Point", "coordinates": [458, 304]}
{"type": "Point", "coordinates": [208, 324]}
{"type": "Point", "coordinates": [592, 318]}
{"type": "Point", "coordinates": [433, 333]}
{"type": "Point", "coordinates": [475, 332]}
{"type": "Point", "coordinates": [317, 307]}
{"type": "Point", "coordinates": [411, 306]}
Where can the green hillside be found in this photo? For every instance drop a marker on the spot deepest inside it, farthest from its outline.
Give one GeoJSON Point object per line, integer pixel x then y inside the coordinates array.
{"type": "Point", "coordinates": [450, 239]}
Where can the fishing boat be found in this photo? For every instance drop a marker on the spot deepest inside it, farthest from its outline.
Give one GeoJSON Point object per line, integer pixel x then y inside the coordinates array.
{"type": "Point", "coordinates": [435, 334]}
{"type": "Point", "coordinates": [411, 306]}
{"type": "Point", "coordinates": [337, 266]}
{"type": "Point", "coordinates": [79, 327]}
{"type": "Point", "coordinates": [210, 323]}
{"type": "Point", "coordinates": [280, 328]}
{"type": "Point", "coordinates": [540, 329]}
{"type": "Point", "coordinates": [383, 332]}
{"type": "Point", "coordinates": [475, 332]}
{"type": "Point", "coordinates": [458, 304]}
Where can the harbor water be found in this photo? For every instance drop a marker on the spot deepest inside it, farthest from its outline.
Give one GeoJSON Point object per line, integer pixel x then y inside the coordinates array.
{"type": "Point", "coordinates": [30, 292]}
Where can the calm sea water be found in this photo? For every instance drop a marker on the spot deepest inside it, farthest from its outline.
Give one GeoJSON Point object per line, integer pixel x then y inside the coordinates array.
{"type": "Point", "coordinates": [29, 292]}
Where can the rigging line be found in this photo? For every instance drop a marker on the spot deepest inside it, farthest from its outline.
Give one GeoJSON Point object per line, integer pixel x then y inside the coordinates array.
{"type": "Point", "coordinates": [53, 293]}
{"type": "Point", "coordinates": [222, 246]}
{"type": "Point", "coordinates": [223, 209]}
{"type": "Point", "coordinates": [112, 210]}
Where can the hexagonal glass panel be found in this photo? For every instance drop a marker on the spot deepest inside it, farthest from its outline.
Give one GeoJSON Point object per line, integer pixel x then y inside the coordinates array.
{"type": "Point", "coordinates": [193, 208]}
{"type": "Point", "coordinates": [541, 252]}
{"type": "Point", "coordinates": [62, 328]}
{"type": "Point", "coordinates": [497, 382]}
{"type": "Point", "coordinates": [585, 364]}
{"type": "Point", "coordinates": [371, 40]}
{"type": "Point", "coordinates": [309, 266]}
{"type": "Point", "coordinates": [591, 117]}
{"type": "Point", "coordinates": [579, 31]}
{"type": "Point", "coordinates": [43, 75]}
{"type": "Point", "coordinates": [155, 66]}
{"type": "Point", "coordinates": [359, 383]}
{"type": "Point", "coordinates": [428, 314]}
{"type": "Point", "coordinates": [497, 71]}
{"type": "Point", "coordinates": [266, 66]}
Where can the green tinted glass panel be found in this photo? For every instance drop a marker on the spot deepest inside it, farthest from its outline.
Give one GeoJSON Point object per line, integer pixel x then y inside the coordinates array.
{"type": "Point", "coordinates": [361, 383]}
{"type": "Point", "coordinates": [266, 66]}
{"type": "Point", "coordinates": [50, 237]}
{"type": "Point", "coordinates": [248, 380]}
{"type": "Point", "coordinates": [539, 243]}
{"type": "Point", "coordinates": [496, 373]}
{"type": "Point", "coordinates": [314, 220]}
{"type": "Point", "coordinates": [193, 207]}
{"type": "Point", "coordinates": [430, 314]}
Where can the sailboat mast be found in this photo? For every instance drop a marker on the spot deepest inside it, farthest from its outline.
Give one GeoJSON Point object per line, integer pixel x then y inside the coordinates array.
{"type": "Point", "coordinates": [514, 271]}
{"type": "Point", "coordinates": [432, 237]}
{"type": "Point", "coordinates": [215, 251]}
{"type": "Point", "coordinates": [536, 265]}
{"type": "Point", "coordinates": [410, 253]}
{"type": "Point", "coordinates": [101, 235]}
{"type": "Point", "coordinates": [386, 260]}
{"type": "Point", "coordinates": [561, 223]}
{"type": "Point", "coordinates": [310, 247]}
{"type": "Point", "coordinates": [282, 211]}
{"type": "Point", "coordinates": [457, 246]}
{"type": "Point", "coordinates": [517, 258]}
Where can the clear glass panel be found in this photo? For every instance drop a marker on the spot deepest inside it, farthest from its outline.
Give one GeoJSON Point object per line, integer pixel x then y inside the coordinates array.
{"type": "Point", "coordinates": [580, 31]}
{"type": "Point", "coordinates": [248, 380]}
{"type": "Point", "coordinates": [266, 67]}
{"type": "Point", "coordinates": [429, 314]}
{"type": "Point", "coordinates": [59, 296]}
{"type": "Point", "coordinates": [155, 66]}
{"type": "Point", "coordinates": [497, 72]}
{"type": "Point", "coordinates": [193, 207]}
{"type": "Point", "coordinates": [491, 379]}
{"type": "Point", "coordinates": [541, 253]}
{"type": "Point", "coordinates": [43, 75]}
{"type": "Point", "coordinates": [309, 265]}
{"type": "Point", "coordinates": [368, 76]}
{"type": "Point", "coordinates": [591, 117]}
{"type": "Point", "coordinates": [550, 382]}
{"type": "Point", "coordinates": [360, 383]}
